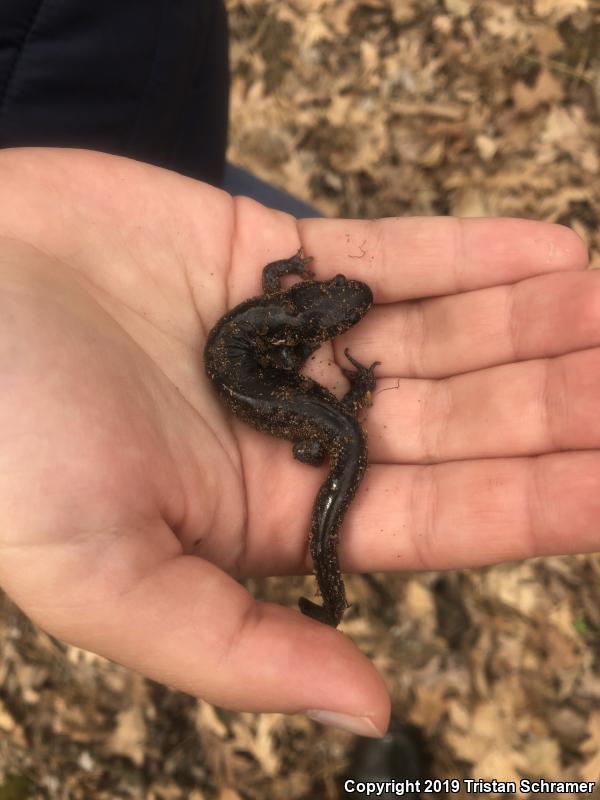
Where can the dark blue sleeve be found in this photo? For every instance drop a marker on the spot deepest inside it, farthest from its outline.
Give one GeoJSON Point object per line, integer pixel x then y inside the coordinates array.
{"type": "Point", "coordinates": [143, 78]}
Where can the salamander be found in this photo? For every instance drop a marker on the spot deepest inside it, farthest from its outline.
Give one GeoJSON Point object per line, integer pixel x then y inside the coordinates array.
{"type": "Point", "coordinates": [253, 356]}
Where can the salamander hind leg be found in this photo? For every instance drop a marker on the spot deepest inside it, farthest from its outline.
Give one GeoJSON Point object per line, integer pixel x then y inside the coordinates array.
{"type": "Point", "coordinates": [309, 452]}
{"type": "Point", "coordinates": [362, 382]}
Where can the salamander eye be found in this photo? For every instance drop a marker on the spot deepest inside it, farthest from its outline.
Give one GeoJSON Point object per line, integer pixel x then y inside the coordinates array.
{"type": "Point", "coordinates": [339, 280]}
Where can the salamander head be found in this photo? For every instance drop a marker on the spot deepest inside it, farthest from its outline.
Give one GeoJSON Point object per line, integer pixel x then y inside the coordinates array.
{"type": "Point", "coordinates": [331, 307]}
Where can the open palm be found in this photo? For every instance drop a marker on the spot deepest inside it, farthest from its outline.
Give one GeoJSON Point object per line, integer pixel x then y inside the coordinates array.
{"type": "Point", "coordinates": [130, 501]}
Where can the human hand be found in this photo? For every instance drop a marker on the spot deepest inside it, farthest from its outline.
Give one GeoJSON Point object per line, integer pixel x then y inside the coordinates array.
{"type": "Point", "coordinates": [130, 501]}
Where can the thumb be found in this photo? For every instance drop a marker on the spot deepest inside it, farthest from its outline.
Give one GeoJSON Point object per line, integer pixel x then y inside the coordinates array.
{"type": "Point", "coordinates": [192, 626]}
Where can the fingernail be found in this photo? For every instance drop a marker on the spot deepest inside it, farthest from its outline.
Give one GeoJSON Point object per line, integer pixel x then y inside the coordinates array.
{"type": "Point", "coordinates": [361, 726]}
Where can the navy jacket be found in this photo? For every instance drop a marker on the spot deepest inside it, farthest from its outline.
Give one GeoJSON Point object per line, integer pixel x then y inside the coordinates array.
{"type": "Point", "coordinates": [142, 78]}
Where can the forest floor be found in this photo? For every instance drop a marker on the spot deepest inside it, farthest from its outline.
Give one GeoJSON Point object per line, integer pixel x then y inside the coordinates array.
{"type": "Point", "coordinates": [370, 109]}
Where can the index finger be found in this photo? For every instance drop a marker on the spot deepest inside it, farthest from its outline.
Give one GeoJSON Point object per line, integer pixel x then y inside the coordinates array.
{"type": "Point", "coordinates": [413, 257]}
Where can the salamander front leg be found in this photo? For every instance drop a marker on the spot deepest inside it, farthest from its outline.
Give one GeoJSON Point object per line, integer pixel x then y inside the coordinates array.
{"type": "Point", "coordinates": [296, 265]}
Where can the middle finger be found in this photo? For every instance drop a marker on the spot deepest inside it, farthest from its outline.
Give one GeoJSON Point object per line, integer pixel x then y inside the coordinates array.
{"type": "Point", "coordinates": [518, 409]}
{"type": "Point", "coordinates": [547, 315]}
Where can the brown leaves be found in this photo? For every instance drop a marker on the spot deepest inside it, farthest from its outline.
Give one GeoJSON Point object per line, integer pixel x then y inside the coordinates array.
{"type": "Point", "coordinates": [546, 90]}
{"type": "Point", "coordinates": [424, 108]}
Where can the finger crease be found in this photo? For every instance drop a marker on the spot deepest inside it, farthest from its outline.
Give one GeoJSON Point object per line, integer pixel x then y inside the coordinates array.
{"type": "Point", "coordinates": [512, 326]}
{"type": "Point", "coordinates": [424, 503]}
{"type": "Point", "coordinates": [459, 260]}
{"type": "Point", "coordinates": [554, 402]}
{"type": "Point", "coordinates": [534, 506]}
{"type": "Point", "coordinates": [417, 325]}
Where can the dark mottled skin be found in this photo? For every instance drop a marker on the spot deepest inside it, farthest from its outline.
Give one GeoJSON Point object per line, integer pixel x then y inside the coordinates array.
{"type": "Point", "coordinates": [253, 356]}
